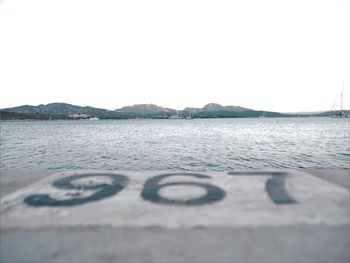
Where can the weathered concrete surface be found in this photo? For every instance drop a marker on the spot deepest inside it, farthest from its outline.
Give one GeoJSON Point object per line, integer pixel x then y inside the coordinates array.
{"type": "Point", "coordinates": [307, 220]}
{"type": "Point", "coordinates": [339, 177]}
{"type": "Point", "coordinates": [304, 243]}
{"type": "Point", "coordinates": [13, 180]}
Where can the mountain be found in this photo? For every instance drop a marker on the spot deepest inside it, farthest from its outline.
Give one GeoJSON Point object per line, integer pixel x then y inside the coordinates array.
{"type": "Point", "coordinates": [332, 113]}
{"type": "Point", "coordinates": [218, 107]}
{"type": "Point", "coordinates": [5, 115]}
{"type": "Point", "coordinates": [145, 109]}
{"type": "Point", "coordinates": [67, 111]}
{"type": "Point", "coordinates": [213, 107]}
{"type": "Point", "coordinates": [63, 109]}
{"type": "Point", "coordinates": [214, 110]}
{"type": "Point", "coordinates": [237, 114]}
{"type": "Point", "coordinates": [150, 111]}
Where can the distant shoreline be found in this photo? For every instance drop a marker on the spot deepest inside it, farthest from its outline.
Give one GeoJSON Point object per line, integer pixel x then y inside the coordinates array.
{"type": "Point", "coordinates": [122, 119]}
{"type": "Point", "coordinates": [64, 111]}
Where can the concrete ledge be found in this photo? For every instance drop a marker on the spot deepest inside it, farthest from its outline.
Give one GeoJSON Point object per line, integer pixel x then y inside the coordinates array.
{"type": "Point", "coordinates": [338, 177]}
{"type": "Point", "coordinates": [107, 216]}
{"type": "Point", "coordinates": [153, 244]}
{"type": "Point", "coordinates": [15, 179]}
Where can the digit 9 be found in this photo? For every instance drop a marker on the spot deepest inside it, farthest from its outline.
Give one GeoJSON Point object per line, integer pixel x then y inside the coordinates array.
{"type": "Point", "coordinates": [104, 190]}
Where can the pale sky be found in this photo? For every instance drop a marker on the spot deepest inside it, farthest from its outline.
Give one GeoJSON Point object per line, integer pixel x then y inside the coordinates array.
{"type": "Point", "coordinates": [272, 55]}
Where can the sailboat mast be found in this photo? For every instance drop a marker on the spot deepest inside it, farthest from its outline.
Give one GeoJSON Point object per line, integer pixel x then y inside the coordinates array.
{"type": "Point", "coordinates": [342, 97]}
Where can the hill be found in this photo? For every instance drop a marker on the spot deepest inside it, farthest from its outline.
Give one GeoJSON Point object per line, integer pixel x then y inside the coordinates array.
{"type": "Point", "coordinates": [62, 109]}
{"type": "Point", "coordinates": [147, 110]}
{"type": "Point", "coordinates": [5, 115]}
{"type": "Point", "coordinates": [217, 107]}
{"type": "Point", "coordinates": [151, 111]}
{"type": "Point", "coordinates": [332, 113]}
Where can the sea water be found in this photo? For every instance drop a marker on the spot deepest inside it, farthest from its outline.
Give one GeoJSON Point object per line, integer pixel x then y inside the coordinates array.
{"type": "Point", "coordinates": [177, 144]}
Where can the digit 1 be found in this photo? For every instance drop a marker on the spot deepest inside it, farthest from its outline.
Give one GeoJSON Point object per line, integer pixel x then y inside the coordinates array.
{"type": "Point", "coordinates": [275, 186]}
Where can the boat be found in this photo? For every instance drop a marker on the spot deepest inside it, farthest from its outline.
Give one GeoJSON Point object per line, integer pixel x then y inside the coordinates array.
{"type": "Point", "coordinates": [189, 116]}
{"type": "Point", "coordinates": [340, 99]}
{"type": "Point", "coordinates": [263, 115]}
{"type": "Point", "coordinates": [177, 116]}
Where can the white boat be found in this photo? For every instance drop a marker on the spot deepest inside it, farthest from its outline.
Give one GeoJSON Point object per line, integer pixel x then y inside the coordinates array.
{"type": "Point", "coordinates": [177, 116]}
{"type": "Point", "coordinates": [263, 115]}
{"type": "Point", "coordinates": [189, 116]}
{"type": "Point", "coordinates": [339, 107]}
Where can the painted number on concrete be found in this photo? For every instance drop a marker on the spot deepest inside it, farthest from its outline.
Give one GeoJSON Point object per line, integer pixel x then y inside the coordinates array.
{"type": "Point", "coordinates": [274, 187]}
{"type": "Point", "coordinates": [153, 185]}
{"type": "Point", "coordinates": [104, 190]}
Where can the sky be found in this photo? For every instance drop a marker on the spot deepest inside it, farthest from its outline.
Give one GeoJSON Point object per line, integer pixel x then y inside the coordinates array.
{"type": "Point", "coordinates": [285, 56]}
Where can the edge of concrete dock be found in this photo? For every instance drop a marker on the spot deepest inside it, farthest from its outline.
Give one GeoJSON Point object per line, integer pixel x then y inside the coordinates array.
{"type": "Point", "coordinates": [317, 241]}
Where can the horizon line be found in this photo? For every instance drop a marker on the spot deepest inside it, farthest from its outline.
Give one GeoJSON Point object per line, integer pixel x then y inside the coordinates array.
{"type": "Point", "coordinates": [299, 111]}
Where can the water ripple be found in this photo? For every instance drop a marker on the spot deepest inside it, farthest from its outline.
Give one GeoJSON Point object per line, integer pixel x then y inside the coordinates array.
{"type": "Point", "coordinates": [211, 144]}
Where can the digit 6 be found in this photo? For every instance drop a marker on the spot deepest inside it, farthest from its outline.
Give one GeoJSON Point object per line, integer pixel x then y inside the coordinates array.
{"type": "Point", "coordinates": [152, 186]}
